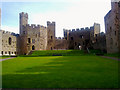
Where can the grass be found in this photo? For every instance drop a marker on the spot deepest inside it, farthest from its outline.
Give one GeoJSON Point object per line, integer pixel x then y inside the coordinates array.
{"type": "Point", "coordinates": [3, 57]}
{"type": "Point", "coordinates": [58, 53]}
{"type": "Point", "coordinates": [117, 55]}
{"type": "Point", "coordinates": [60, 72]}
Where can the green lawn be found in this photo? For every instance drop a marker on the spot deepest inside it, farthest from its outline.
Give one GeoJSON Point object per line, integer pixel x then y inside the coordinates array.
{"type": "Point", "coordinates": [117, 55]}
{"type": "Point", "coordinates": [4, 57]}
{"type": "Point", "coordinates": [58, 53]}
{"type": "Point", "coordinates": [60, 72]}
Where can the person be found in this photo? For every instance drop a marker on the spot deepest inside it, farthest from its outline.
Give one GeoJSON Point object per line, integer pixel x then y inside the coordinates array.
{"type": "Point", "coordinates": [80, 47]}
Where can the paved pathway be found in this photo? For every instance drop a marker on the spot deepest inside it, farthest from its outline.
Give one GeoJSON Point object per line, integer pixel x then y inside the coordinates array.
{"type": "Point", "coordinates": [111, 58]}
{"type": "Point", "coordinates": [7, 58]}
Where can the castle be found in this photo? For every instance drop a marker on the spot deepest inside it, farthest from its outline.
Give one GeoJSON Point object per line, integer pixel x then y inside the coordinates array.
{"type": "Point", "coordinates": [37, 37]}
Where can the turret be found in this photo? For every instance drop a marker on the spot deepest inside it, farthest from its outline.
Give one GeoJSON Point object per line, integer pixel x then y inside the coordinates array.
{"type": "Point", "coordinates": [51, 28]}
{"type": "Point", "coordinates": [96, 29]}
{"type": "Point", "coordinates": [23, 21]}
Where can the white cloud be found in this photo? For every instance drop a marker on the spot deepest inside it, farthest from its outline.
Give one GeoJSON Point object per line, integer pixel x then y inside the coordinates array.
{"type": "Point", "coordinates": [11, 29]}
{"type": "Point", "coordinates": [82, 14]}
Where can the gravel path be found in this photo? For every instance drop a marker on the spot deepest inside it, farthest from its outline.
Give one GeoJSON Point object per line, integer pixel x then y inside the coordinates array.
{"type": "Point", "coordinates": [111, 58]}
{"type": "Point", "coordinates": [7, 58]}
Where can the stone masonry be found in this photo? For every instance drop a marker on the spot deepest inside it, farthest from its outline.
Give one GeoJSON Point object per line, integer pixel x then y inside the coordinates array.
{"type": "Point", "coordinates": [37, 37]}
{"type": "Point", "coordinates": [112, 28]}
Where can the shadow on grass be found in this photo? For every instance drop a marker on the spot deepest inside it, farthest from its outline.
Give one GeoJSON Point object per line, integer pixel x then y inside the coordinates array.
{"type": "Point", "coordinates": [62, 73]}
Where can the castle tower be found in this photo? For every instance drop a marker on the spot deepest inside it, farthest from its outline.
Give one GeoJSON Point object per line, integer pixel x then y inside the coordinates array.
{"type": "Point", "coordinates": [66, 34]}
{"type": "Point", "coordinates": [50, 35]}
{"type": "Point", "coordinates": [96, 29]}
{"type": "Point", "coordinates": [23, 21]}
{"type": "Point", "coordinates": [112, 27]}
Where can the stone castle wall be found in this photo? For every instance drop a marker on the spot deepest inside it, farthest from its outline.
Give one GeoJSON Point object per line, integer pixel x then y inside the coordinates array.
{"type": "Point", "coordinates": [38, 37]}
{"type": "Point", "coordinates": [112, 28]}
{"type": "Point", "coordinates": [85, 38]}
{"type": "Point", "coordinates": [9, 43]}
{"type": "Point", "coordinates": [61, 44]}
{"type": "Point", "coordinates": [33, 37]}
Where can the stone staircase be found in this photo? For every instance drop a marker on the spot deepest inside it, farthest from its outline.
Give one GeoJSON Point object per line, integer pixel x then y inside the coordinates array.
{"type": "Point", "coordinates": [30, 52]}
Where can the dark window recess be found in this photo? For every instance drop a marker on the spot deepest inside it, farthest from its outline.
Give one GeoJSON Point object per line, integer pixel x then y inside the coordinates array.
{"type": "Point", "coordinates": [81, 36]}
{"type": "Point", "coordinates": [115, 33]}
{"type": "Point", "coordinates": [9, 40]}
{"type": "Point", "coordinates": [71, 38]}
{"type": "Point", "coordinates": [39, 34]}
{"type": "Point", "coordinates": [66, 38]}
{"type": "Point", "coordinates": [51, 48]}
{"type": "Point", "coordinates": [9, 52]}
{"type": "Point", "coordinates": [95, 35]}
{"type": "Point", "coordinates": [83, 43]}
{"type": "Point", "coordinates": [51, 37]}
{"type": "Point", "coordinates": [33, 40]}
{"type": "Point", "coordinates": [23, 32]}
{"type": "Point", "coordinates": [33, 47]}
{"type": "Point", "coordinates": [75, 43]}
{"type": "Point", "coordinates": [29, 41]}
{"type": "Point", "coordinates": [110, 29]}
{"type": "Point", "coordinates": [96, 40]}
{"type": "Point", "coordinates": [2, 52]}
{"type": "Point", "coordinates": [119, 4]}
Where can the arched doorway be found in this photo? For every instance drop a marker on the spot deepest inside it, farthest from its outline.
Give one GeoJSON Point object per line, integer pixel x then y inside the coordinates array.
{"type": "Point", "coordinates": [33, 47]}
{"type": "Point", "coordinates": [51, 48]}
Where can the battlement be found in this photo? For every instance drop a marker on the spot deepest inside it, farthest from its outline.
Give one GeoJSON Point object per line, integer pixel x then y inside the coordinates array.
{"type": "Point", "coordinates": [50, 23]}
{"type": "Point", "coordinates": [35, 26]}
{"type": "Point", "coordinates": [81, 29]}
{"type": "Point", "coordinates": [91, 28]}
{"type": "Point", "coordinates": [60, 38]}
{"type": "Point", "coordinates": [7, 32]}
{"type": "Point", "coordinates": [77, 29]}
{"type": "Point", "coordinates": [23, 14]}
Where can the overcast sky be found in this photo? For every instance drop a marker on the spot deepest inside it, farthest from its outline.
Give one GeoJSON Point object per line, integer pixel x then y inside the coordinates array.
{"type": "Point", "coordinates": [68, 14]}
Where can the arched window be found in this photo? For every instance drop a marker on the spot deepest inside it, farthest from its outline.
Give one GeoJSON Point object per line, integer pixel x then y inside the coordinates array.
{"type": "Point", "coordinates": [51, 37]}
{"type": "Point", "coordinates": [33, 47]}
{"type": "Point", "coordinates": [9, 40]}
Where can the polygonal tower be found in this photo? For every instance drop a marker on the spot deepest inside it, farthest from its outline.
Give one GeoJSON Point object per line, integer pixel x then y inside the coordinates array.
{"type": "Point", "coordinates": [23, 21]}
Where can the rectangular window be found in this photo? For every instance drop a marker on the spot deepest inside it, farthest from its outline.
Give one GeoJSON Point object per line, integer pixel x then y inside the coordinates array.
{"type": "Point", "coordinates": [71, 38]}
{"type": "Point", "coordinates": [2, 52]}
{"type": "Point", "coordinates": [95, 35]}
{"type": "Point", "coordinates": [23, 32]}
{"type": "Point", "coordinates": [33, 40]}
{"type": "Point", "coordinates": [115, 33]}
{"type": "Point", "coordinates": [29, 41]}
{"type": "Point", "coordinates": [5, 52]}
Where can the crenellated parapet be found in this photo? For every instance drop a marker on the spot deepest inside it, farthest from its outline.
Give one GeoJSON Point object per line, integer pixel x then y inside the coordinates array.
{"type": "Point", "coordinates": [77, 29]}
{"type": "Point", "coordinates": [50, 23]}
{"type": "Point", "coordinates": [23, 14]}
{"type": "Point", "coordinates": [35, 26]}
{"type": "Point", "coordinates": [7, 32]}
